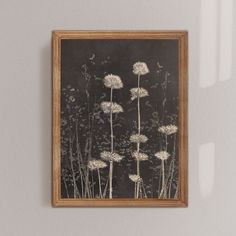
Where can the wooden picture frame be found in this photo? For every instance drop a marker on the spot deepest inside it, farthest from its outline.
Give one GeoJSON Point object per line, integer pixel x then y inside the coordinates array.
{"type": "Point", "coordinates": [181, 40]}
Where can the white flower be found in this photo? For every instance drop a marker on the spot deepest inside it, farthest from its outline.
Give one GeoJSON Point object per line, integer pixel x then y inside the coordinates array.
{"type": "Point", "coordinates": [138, 138]}
{"type": "Point", "coordinates": [140, 156]}
{"type": "Point", "coordinates": [163, 155]}
{"type": "Point", "coordinates": [111, 106]}
{"type": "Point", "coordinates": [135, 178]}
{"type": "Point", "coordinates": [96, 164]}
{"type": "Point", "coordinates": [138, 92]}
{"type": "Point", "coordinates": [111, 156]}
{"type": "Point", "coordinates": [113, 81]}
{"type": "Point", "coordinates": [140, 68]}
{"type": "Point", "coordinates": [168, 129]}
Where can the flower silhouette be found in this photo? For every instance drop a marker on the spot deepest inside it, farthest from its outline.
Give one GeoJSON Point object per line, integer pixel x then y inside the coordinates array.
{"type": "Point", "coordinates": [96, 164]}
{"type": "Point", "coordinates": [139, 156]}
{"type": "Point", "coordinates": [111, 156]}
{"type": "Point", "coordinates": [113, 81]}
{"type": "Point", "coordinates": [138, 92]}
{"type": "Point", "coordinates": [140, 68]}
{"type": "Point", "coordinates": [162, 155]}
{"type": "Point", "coordinates": [113, 107]}
{"type": "Point", "coordinates": [168, 129]}
{"type": "Point", "coordinates": [135, 178]}
{"type": "Point", "coordinates": [138, 138]}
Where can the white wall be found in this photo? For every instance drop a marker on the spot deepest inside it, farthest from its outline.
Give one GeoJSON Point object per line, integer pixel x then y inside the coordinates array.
{"type": "Point", "coordinates": [25, 117]}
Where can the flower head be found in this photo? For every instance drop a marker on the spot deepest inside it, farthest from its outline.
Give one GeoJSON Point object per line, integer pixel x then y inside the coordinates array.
{"type": "Point", "coordinates": [163, 155]}
{"type": "Point", "coordinates": [111, 156]}
{"type": "Point", "coordinates": [138, 92]}
{"type": "Point", "coordinates": [139, 156]}
{"type": "Point", "coordinates": [140, 68]}
{"type": "Point", "coordinates": [111, 106]}
{"type": "Point", "coordinates": [135, 178]}
{"type": "Point", "coordinates": [168, 129]}
{"type": "Point", "coordinates": [96, 164]}
{"type": "Point", "coordinates": [138, 138]}
{"type": "Point", "coordinates": [113, 81]}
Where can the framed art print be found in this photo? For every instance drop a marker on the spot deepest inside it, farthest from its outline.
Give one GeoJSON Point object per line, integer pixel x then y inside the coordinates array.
{"type": "Point", "coordinates": [120, 119]}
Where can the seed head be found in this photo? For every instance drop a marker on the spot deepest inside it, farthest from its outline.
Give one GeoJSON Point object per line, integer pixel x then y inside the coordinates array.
{"type": "Point", "coordinates": [111, 106]}
{"type": "Point", "coordinates": [113, 81]}
{"type": "Point", "coordinates": [140, 68]}
{"type": "Point", "coordinates": [162, 155]}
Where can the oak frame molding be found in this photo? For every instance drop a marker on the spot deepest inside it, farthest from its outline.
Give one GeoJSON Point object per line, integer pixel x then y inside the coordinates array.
{"type": "Point", "coordinates": [182, 37]}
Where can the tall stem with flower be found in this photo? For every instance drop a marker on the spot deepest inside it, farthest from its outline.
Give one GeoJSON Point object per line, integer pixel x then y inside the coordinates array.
{"type": "Point", "coordinates": [112, 82]}
{"type": "Point", "coordinates": [164, 155]}
{"type": "Point", "coordinates": [97, 165]}
{"type": "Point", "coordinates": [139, 68]}
{"type": "Point", "coordinates": [112, 148]}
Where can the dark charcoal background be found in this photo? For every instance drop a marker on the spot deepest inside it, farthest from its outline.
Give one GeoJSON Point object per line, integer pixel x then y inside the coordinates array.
{"type": "Point", "coordinates": [84, 63]}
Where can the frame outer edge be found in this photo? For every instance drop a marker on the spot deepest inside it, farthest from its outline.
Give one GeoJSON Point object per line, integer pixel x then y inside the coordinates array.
{"type": "Point", "coordinates": [57, 36]}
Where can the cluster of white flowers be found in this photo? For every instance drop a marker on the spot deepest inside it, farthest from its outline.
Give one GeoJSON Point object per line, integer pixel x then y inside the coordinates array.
{"type": "Point", "coordinates": [135, 178]}
{"type": "Point", "coordinates": [111, 106]}
{"type": "Point", "coordinates": [96, 164]}
{"type": "Point", "coordinates": [111, 156]}
{"type": "Point", "coordinates": [140, 68]}
{"type": "Point", "coordinates": [138, 138]}
{"type": "Point", "coordinates": [168, 129]}
{"type": "Point", "coordinates": [162, 155]}
{"type": "Point", "coordinates": [138, 92]}
{"type": "Point", "coordinates": [139, 156]}
{"type": "Point", "coordinates": [113, 81]}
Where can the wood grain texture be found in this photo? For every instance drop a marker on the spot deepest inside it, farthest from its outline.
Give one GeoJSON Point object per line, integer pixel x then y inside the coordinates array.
{"type": "Point", "coordinates": [182, 37]}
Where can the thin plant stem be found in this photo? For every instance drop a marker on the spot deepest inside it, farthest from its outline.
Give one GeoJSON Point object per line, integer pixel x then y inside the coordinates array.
{"type": "Point", "coordinates": [164, 184]}
{"type": "Point", "coordinates": [177, 191]}
{"type": "Point", "coordinates": [138, 173]}
{"type": "Point", "coordinates": [138, 167]}
{"type": "Point", "coordinates": [76, 192]}
{"type": "Point", "coordinates": [166, 142]}
{"type": "Point", "coordinates": [171, 178]}
{"type": "Point", "coordinates": [139, 129]}
{"type": "Point", "coordinates": [93, 192]}
{"type": "Point", "coordinates": [87, 187]}
{"type": "Point", "coordinates": [163, 178]}
{"type": "Point", "coordinates": [65, 184]}
{"type": "Point", "coordinates": [173, 168]}
{"type": "Point", "coordinates": [112, 147]}
{"type": "Point", "coordinates": [110, 179]}
{"type": "Point", "coordinates": [163, 173]}
{"type": "Point", "coordinates": [73, 177]}
{"type": "Point", "coordinates": [159, 183]}
{"type": "Point", "coordinates": [99, 182]}
{"type": "Point", "coordinates": [140, 190]}
{"type": "Point", "coordinates": [144, 192]}
{"type": "Point", "coordinates": [164, 88]}
{"type": "Point", "coordinates": [139, 116]}
{"type": "Point", "coordinates": [111, 121]}
{"type": "Point", "coordinates": [105, 189]}
{"type": "Point", "coordinates": [78, 151]}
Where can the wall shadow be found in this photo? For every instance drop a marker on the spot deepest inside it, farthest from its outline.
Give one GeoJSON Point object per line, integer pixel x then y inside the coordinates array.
{"type": "Point", "coordinates": [212, 103]}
